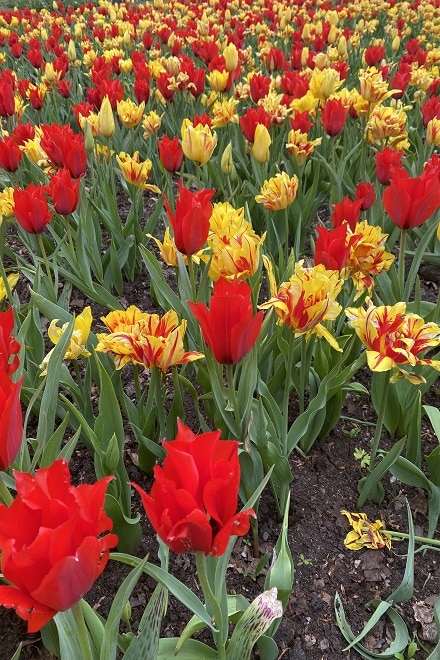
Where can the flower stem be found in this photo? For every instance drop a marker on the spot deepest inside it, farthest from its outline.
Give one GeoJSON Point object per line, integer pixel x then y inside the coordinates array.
{"type": "Point", "coordinates": [286, 396]}
{"type": "Point", "coordinates": [212, 603]}
{"type": "Point", "coordinates": [233, 399]}
{"type": "Point", "coordinates": [380, 418]}
{"type": "Point", "coordinates": [401, 268]}
{"type": "Point", "coordinates": [192, 277]}
{"type": "Point", "coordinates": [83, 635]}
{"type": "Point", "coordinates": [44, 256]}
{"type": "Point", "coordinates": [418, 539]}
{"type": "Point", "coordinates": [286, 244]}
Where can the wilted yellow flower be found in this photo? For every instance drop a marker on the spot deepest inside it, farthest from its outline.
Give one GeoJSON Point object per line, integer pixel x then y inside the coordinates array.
{"type": "Point", "coordinates": [12, 281]}
{"type": "Point", "coordinates": [106, 120]}
{"type": "Point", "coordinates": [80, 334]}
{"type": "Point", "coordinates": [130, 113]}
{"type": "Point", "coordinates": [387, 125]}
{"type": "Point", "coordinates": [393, 338]}
{"type": "Point", "coordinates": [373, 87]}
{"type": "Point", "coordinates": [365, 534]}
{"type": "Point", "coordinates": [151, 123]}
{"type": "Point", "coordinates": [278, 192]}
{"type": "Point", "coordinates": [262, 142]}
{"type": "Point", "coordinates": [299, 145]}
{"type": "Point", "coordinates": [367, 256]}
{"type": "Point", "coordinates": [6, 203]}
{"type": "Point", "coordinates": [306, 300]}
{"type": "Point", "coordinates": [146, 339]}
{"type": "Point", "coordinates": [234, 246]}
{"type": "Point", "coordinates": [136, 172]}
{"type": "Point", "coordinates": [198, 142]}
{"type": "Point", "coordinates": [323, 83]}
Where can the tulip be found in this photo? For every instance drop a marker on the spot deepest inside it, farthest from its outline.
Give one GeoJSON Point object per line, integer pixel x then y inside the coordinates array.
{"type": "Point", "coordinates": [106, 120]}
{"type": "Point", "coordinates": [192, 504]}
{"type": "Point", "coordinates": [278, 192]}
{"type": "Point", "coordinates": [386, 160]}
{"type": "Point", "coordinates": [146, 339]}
{"type": "Point", "coordinates": [10, 154]}
{"type": "Point", "coordinates": [190, 222]}
{"type": "Point", "coordinates": [198, 141]}
{"type": "Point", "coordinates": [52, 543]}
{"type": "Point", "coordinates": [7, 100]}
{"type": "Point", "coordinates": [230, 53]}
{"type": "Point", "coordinates": [331, 248]}
{"type": "Point", "coordinates": [333, 117]}
{"type": "Point", "coordinates": [64, 191]}
{"type": "Point", "coordinates": [365, 192]}
{"type": "Point", "coordinates": [251, 118]}
{"type": "Point", "coordinates": [135, 171]}
{"type": "Point", "coordinates": [129, 113]}
{"type": "Point", "coordinates": [262, 142]}
{"type": "Point", "coordinates": [80, 334]}
{"type": "Point", "coordinates": [394, 339]}
{"type": "Point", "coordinates": [11, 426]}
{"type": "Point", "coordinates": [31, 209]}
{"type": "Point", "coordinates": [410, 201]}
{"type": "Point", "coordinates": [346, 210]}
{"type": "Point", "coordinates": [229, 327]}
{"type": "Point", "coordinates": [170, 153]}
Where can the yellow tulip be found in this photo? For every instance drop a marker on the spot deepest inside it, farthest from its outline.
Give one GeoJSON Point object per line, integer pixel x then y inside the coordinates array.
{"type": "Point", "coordinates": [262, 142]}
{"type": "Point", "coordinates": [278, 192]}
{"type": "Point", "coordinates": [106, 120]}
{"type": "Point", "coordinates": [198, 142]}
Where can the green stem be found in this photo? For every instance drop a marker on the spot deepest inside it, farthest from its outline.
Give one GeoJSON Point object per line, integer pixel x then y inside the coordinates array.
{"type": "Point", "coordinates": [401, 268]}
{"type": "Point", "coordinates": [44, 256]}
{"type": "Point", "coordinates": [192, 277]}
{"type": "Point", "coordinates": [380, 418]}
{"type": "Point", "coordinates": [81, 628]}
{"type": "Point", "coordinates": [212, 603]}
{"type": "Point", "coordinates": [137, 387]}
{"type": "Point", "coordinates": [158, 391]}
{"type": "Point", "coordinates": [286, 395]}
{"type": "Point", "coordinates": [233, 399]}
{"type": "Point", "coordinates": [303, 373]}
{"type": "Point", "coordinates": [418, 539]}
{"type": "Point", "coordinates": [286, 229]}
{"type": "Point", "coordinates": [6, 282]}
{"type": "Point", "coordinates": [5, 495]}
{"type": "Point", "coordinates": [69, 233]}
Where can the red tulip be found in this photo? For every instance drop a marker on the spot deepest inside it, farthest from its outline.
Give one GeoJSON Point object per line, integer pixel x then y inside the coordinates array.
{"type": "Point", "coordinates": [251, 118]}
{"type": "Point", "coordinates": [52, 543]}
{"type": "Point", "coordinates": [10, 154]}
{"type": "Point", "coordinates": [332, 248]}
{"type": "Point", "coordinates": [365, 192]}
{"type": "Point", "coordinates": [31, 209]}
{"type": "Point", "coordinates": [333, 117]}
{"type": "Point", "coordinates": [410, 201]}
{"type": "Point", "coordinates": [64, 148]}
{"type": "Point", "coordinates": [7, 101]}
{"type": "Point", "coordinates": [346, 211]}
{"type": "Point", "coordinates": [385, 161]}
{"type": "Point", "coordinates": [64, 191]}
{"type": "Point", "coordinates": [170, 153]}
{"type": "Point", "coordinates": [190, 222]}
{"type": "Point", "coordinates": [259, 86]}
{"type": "Point", "coordinates": [229, 326]}
{"type": "Point", "coordinates": [193, 502]}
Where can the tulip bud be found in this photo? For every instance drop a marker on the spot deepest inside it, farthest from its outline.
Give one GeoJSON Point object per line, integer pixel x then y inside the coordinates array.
{"type": "Point", "coordinates": [254, 622]}
{"type": "Point", "coordinates": [89, 142]}
{"type": "Point", "coordinates": [332, 35]}
{"type": "Point", "coordinates": [112, 456]}
{"type": "Point", "coordinates": [262, 142]}
{"type": "Point", "coordinates": [305, 56]}
{"type": "Point", "coordinates": [126, 612]}
{"type": "Point", "coordinates": [342, 46]}
{"type": "Point", "coordinates": [281, 573]}
{"type": "Point", "coordinates": [230, 54]}
{"type": "Point", "coordinates": [227, 163]}
{"type": "Point", "coordinates": [395, 45]}
{"type": "Point", "coordinates": [49, 72]}
{"type": "Point", "coordinates": [71, 51]}
{"type": "Point", "coordinates": [106, 120]}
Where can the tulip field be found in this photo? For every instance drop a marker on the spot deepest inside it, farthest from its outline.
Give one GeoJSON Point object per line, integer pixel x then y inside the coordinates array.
{"type": "Point", "coordinates": [220, 330]}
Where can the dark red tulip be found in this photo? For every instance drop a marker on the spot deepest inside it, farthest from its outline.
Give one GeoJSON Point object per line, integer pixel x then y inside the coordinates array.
{"type": "Point", "coordinates": [170, 153]}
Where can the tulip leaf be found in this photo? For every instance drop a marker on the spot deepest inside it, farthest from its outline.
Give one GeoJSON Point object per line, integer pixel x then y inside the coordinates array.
{"type": "Point", "coordinates": [174, 586]}
{"type": "Point", "coordinates": [405, 590]}
{"type": "Point", "coordinates": [69, 640]}
{"type": "Point", "coordinates": [434, 417]}
{"type": "Point", "coordinates": [128, 530]}
{"type": "Point", "coordinates": [376, 475]}
{"type": "Point", "coordinates": [382, 607]}
{"type": "Point", "coordinates": [193, 650]}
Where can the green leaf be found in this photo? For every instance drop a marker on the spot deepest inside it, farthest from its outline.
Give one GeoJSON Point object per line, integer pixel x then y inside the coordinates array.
{"type": "Point", "coordinates": [128, 530]}
{"type": "Point", "coordinates": [111, 629]}
{"type": "Point", "coordinates": [405, 590]}
{"type": "Point", "coordinates": [70, 646]}
{"type": "Point", "coordinates": [382, 607]}
{"type": "Point", "coordinates": [434, 417]}
{"type": "Point", "coordinates": [193, 650]}
{"type": "Point", "coordinates": [376, 475]}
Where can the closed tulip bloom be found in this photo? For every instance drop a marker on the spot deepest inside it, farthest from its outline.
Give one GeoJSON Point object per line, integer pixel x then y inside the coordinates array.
{"type": "Point", "coordinates": [192, 505]}
{"type": "Point", "coordinates": [129, 113]}
{"type": "Point", "coordinates": [346, 210]}
{"type": "Point", "coordinates": [53, 543]}
{"type": "Point", "coordinates": [367, 255]}
{"type": "Point", "coordinates": [64, 191]}
{"type": "Point", "coordinates": [410, 201]}
{"type": "Point", "coordinates": [190, 221]}
{"type": "Point", "coordinates": [198, 142]}
{"type": "Point", "coordinates": [230, 53]}
{"type": "Point", "coordinates": [170, 153]}
{"type": "Point", "coordinates": [331, 247]}
{"type": "Point", "coordinates": [251, 118]}
{"type": "Point", "coordinates": [306, 300]}
{"type": "Point", "coordinates": [10, 154]}
{"type": "Point", "coordinates": [262, 142]}
{"type": "Point", "coordinates": [11, 421]}
{"type": "Point", "coordinates": [278, 192]}
{"type": "Point", "coordinates": [31, 209]}
{"type": "Point", "coordinates": [7, 100]}
{"type": "Point", "coordinates": [333, 117]}
{"type": "Point", "coordinates": [106, 119]}
{"type": "Point", "coordinates": [365, 192]}
{"type": "Point", "coordinates": [394, 339]}
{"type": "Point", "coordinates": [386, 160]}
{"type": "Point", "coordinates": [229, 327]}
{"type": "Point", "coordinates": [136, 171]}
